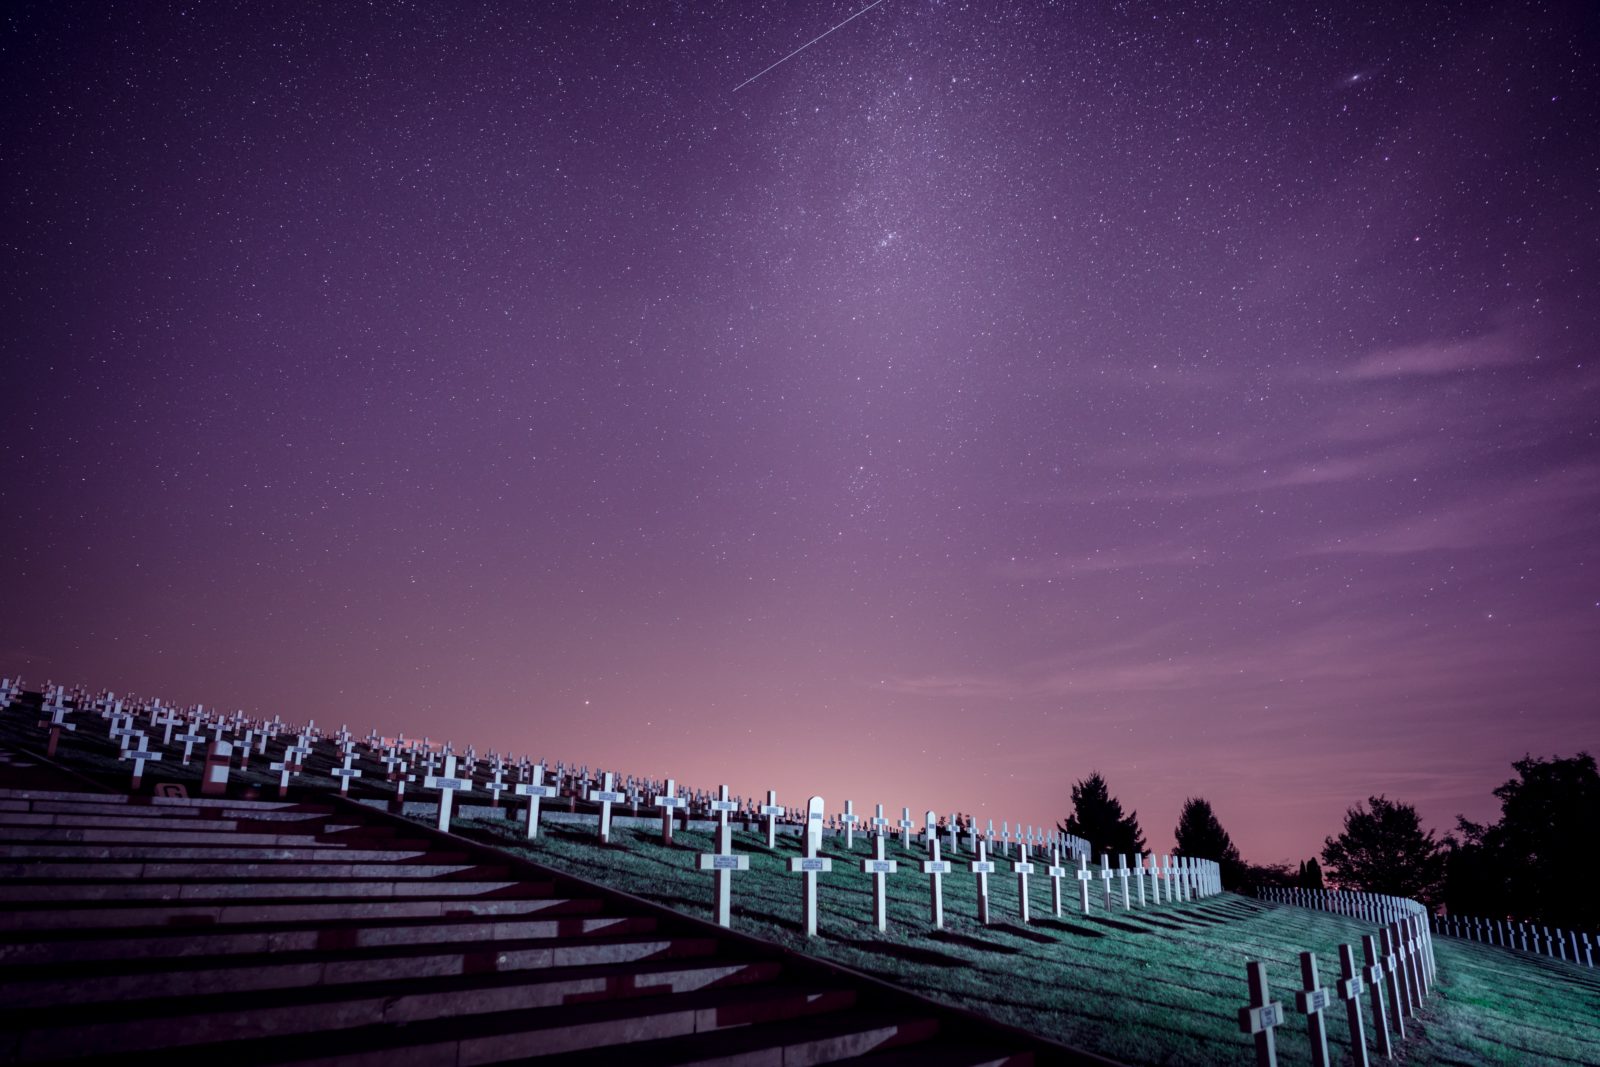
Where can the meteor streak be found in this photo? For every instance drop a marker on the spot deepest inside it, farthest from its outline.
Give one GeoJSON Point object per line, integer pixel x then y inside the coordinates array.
{"type": "Point", "coordinates": [808, 44]}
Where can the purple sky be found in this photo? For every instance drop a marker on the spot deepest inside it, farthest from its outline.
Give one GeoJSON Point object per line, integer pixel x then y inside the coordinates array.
{"type": "Point", "coordinates": [991, 393]}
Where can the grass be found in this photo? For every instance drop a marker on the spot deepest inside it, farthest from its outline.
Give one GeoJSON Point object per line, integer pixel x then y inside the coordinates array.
{"type": "Point", "coordinates": [1154, 985]}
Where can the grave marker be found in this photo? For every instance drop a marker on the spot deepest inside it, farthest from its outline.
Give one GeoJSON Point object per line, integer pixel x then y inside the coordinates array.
{"type": "Point", "coordinates": [1374, 981]}
{"type": "Point", "coordinates": [1310, 1001]}
{"type": "Point", "coordinates": [219, 761]}
{"type": "Point", "coordinates": [1261, 1015]}
{"type": "Point", "coordinates": [1138, 876]}
{"type": "Point", "coordinates": [722, 863]}
{"type": "Point", "coordinates": [905, 828]}
{"type": "Point", "coordinates": [936, 868]}
{"type": "Point", "coordinates": [1350, 989]}
{"type": "Point", "coordinates": [344, 773]}
{"type": "Point", "coordinates": [1397, 1008]}
{"type": "Point", "coordinates": [607, 795]}
{"type": "Point", "coordinates": [1022, 868]}
{"type": "Point", "coordinates": [849, 819]}
{"type": "Point", "coordinates": [810, 865]}
{"type": "Point", "coordinates": [448, 785]}
{"type": "Point", "coordinates": [722, 806]}
{"type": "Point", "coordinates": [1056, 872]}
{"type": "Point", "coordinates": [497, 784]}
{"type": "Point", "coordinates": [982, 868]}
{"type": "Point", "coordinates": [1122, 875]}
{"type": "Point", "coordinates": [880, 867]}
{"type": "Point", "coordinates": [535, 790]}
{"type": "Point", "coordinates": [669, 801]}
{"type": "Point", "coordinates": [57, 722]}
{"type": "Point", "coordinates": [140, 757]}
{"type": "Point", "coordinates": [1106, 874]}
{"type": "Point", "coordinates": [1085, 876]}
{"type": "Point", "coordinates": [771, 810]}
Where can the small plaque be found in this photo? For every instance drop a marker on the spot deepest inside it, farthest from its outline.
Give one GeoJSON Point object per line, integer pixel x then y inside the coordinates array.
{"type": "Point", "coordinates": [717, 862]}
{"type": "Point", "coordinates": [986, 867]}
{"type": "Point", "coordinates": [770, 809]}
{"type": "Point", "coordinates": [526, 790]}
{"type": "Point", "coordinates": [603, 795]}
{"type": "Point", "coordinates": [1351, 988]}
{"type": "Point", "coordinates": [879, 866]}
{"type": "Point", "coordinates": [724, 805]}
{"type": "Point", "coordinates": [1022, 868]}
{"type": "Point", "coordinates": [809, 864]}
{"type": "Point", "coordinates": [936, 867]}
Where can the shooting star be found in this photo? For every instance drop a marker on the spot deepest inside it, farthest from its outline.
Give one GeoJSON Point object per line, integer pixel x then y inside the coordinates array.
{"type": "Point", "coordinates": [808, 44]}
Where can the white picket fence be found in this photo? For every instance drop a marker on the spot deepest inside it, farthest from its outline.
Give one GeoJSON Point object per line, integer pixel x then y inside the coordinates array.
{"type": "Point", "coordinates": [1519, 937]}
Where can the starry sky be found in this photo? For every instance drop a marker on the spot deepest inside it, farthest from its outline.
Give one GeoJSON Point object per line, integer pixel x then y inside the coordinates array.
{"type": "Point", "coordinates": [990, 393]}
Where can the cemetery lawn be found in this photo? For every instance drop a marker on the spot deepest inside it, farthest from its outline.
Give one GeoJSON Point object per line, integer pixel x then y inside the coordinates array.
{"type": "Point", "coordinates": [1155, 985]}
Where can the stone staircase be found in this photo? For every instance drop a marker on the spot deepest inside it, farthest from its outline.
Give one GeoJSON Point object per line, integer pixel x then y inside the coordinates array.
{"type": "Point", "coordinates": [236, 932]}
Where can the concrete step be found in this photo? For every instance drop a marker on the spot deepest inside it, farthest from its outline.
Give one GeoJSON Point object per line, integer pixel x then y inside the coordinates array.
{"type": "Point", "coordinates": [147, 1025]}
{"type": "Point", "coordinates": [837, 1036]}
{"type": "Point", "coordinates": [220, 854]}
{"type": "Point", "coordinates": [514, 1035]}
{"type": "Point", "coordinates": [33, 795]}
{"type": "Point", "coordinates": [120, 892]}
{"type": "Point", "coordinates": [949, 1055]}
{"type": "Point", "coordinates": [234, 870]}
{"type": "Point", "coordinates": [255, 914]}
{"type": "Point", "coordinates": [145, 978]}
{"type": "Point", "coordinates": [567, 943]}
{"type": "Point", "coordinates": [163, 834]}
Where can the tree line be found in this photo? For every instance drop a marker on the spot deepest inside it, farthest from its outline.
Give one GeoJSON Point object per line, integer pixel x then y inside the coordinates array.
{"type": "Point", "coordinates": [1536, 863]}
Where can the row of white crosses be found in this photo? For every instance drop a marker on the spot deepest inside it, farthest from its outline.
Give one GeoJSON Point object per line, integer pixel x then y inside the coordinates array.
{"type": "Point", "coordinates": [1520, 936]}
{"type": "Point", "coordinates": [1184, 879]}
{"type": "Point", "coordinates": [1399, 970]}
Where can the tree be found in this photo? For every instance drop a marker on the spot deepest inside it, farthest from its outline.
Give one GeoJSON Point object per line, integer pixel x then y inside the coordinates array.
{"type": "Point", "coordinates": [1097, 818]}
{"type": "Point", "coordinates": [1200, 835]}
{"type": "Point", "coordinates": [1310, 876]}
{"type": "Point", "coordinates": [1384, 849]}
{"type": "Point", "coordinates": [1539, 862]}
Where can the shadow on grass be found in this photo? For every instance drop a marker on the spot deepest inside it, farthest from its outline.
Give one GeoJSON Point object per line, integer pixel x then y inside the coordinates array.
{"type": "Point", "coordinates": [1024, 933]}
{"type": "Point", "coordinates": [1067, 928]}
{"type": "Point", "coordinates": [910, 953]}
{"type": "Point", "coordinates": [974, 943]}
{"type": "Point", "coordinates": [1118, 924]}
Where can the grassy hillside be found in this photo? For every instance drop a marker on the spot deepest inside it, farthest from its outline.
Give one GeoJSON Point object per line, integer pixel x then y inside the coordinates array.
{"type": "Point", "coordinates": [1160, 985]}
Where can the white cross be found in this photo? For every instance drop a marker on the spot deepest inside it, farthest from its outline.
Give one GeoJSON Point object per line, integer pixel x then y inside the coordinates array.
{"type": "Point", "coordinates": [345, 773]}
{"type": "Point", "coordinates": [496, 784]}
{"type": "Point", "coordinates": [982, 868]}
{"type": "Point", "coordinates": [1349, 990]}
{"type": "Point", "coordinates": [535, 790]}
{"type": "Point", "coordinates": [953, 828]}
{"type": "Point", "coordinates": [669, 801]}
{"type": "Point", "coordinates": [140, 757]}
{"type": "Point", "coordinates": [880, 825]}
{"type": "Point", "coordinates": [1310, 1002]}
{"type": "Point", "coordinates": [722, 806]}
{"type": "Point", "coordinates": [447, 784]}
{"type": "Point", "coordinates": [905, 828]}
{"type": "Point", "coordinates": [1056, 873]}
{"type": "Point", "coordinates": [1023, 868]}
{"type": "Point", "coordinates": [1106, 874]}
{"type": "Point", "coordinates": [849, 818]}
{"type": "Point", "coordinates": [722, 862]}
{"type": "Point", "coordinates": [607, 795]}
{"type": "Point", "coordinates": [771, 810]}
{"type": "Point", "coordinates": [1261, 1015]}
{"type": "Point", "coordinates": [1122, 873]}
{"type": "Point", "coordinates": [1085, 876]}
{"type": "Point", "coordinates": [165, 718]}
{"type": "Point", "coordinates": [285, 768]}
{"type": "Point", "coordinates": [810, 865]}
{"type": "Point", "coordinates": [1373, 974]}
{"type": "Point", "coordinates": [880, 867]}
{"type": "Point", "coordinates": [936, 868]}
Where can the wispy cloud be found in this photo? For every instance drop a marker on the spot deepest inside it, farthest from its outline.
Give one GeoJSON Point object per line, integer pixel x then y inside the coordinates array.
{"type": "Point", "coordinates": [1442, 356]}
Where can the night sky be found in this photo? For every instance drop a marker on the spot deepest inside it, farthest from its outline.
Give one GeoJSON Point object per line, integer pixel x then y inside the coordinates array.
{"type": "Point", "coordinates": [990, 393]}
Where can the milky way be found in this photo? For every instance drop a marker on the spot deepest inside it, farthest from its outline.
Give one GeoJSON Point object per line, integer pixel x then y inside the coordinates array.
{"type": "Point", "coordinates": [991, 393]}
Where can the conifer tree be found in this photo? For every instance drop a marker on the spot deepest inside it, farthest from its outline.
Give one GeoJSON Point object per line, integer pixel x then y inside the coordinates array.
{"type": "Point", "coordinates": [1097, 818]}
{"type": "Point", "coordinates": [1201, 836]}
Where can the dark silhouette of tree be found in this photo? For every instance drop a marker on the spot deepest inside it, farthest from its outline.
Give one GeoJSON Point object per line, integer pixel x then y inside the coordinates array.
{"type": "Point", "coordinates": [1384, 849]}
{"type": "Point", "coordinates": [1273, 875]}
{"type": "Point", "coordinates": [1541, 860]}
{"type": "Point", "coordinates": [1200, 835]}
{"type": "Point", "coordinates": [1097, 818]}
{"type": "Point", "coordinates": [1310, 875]}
